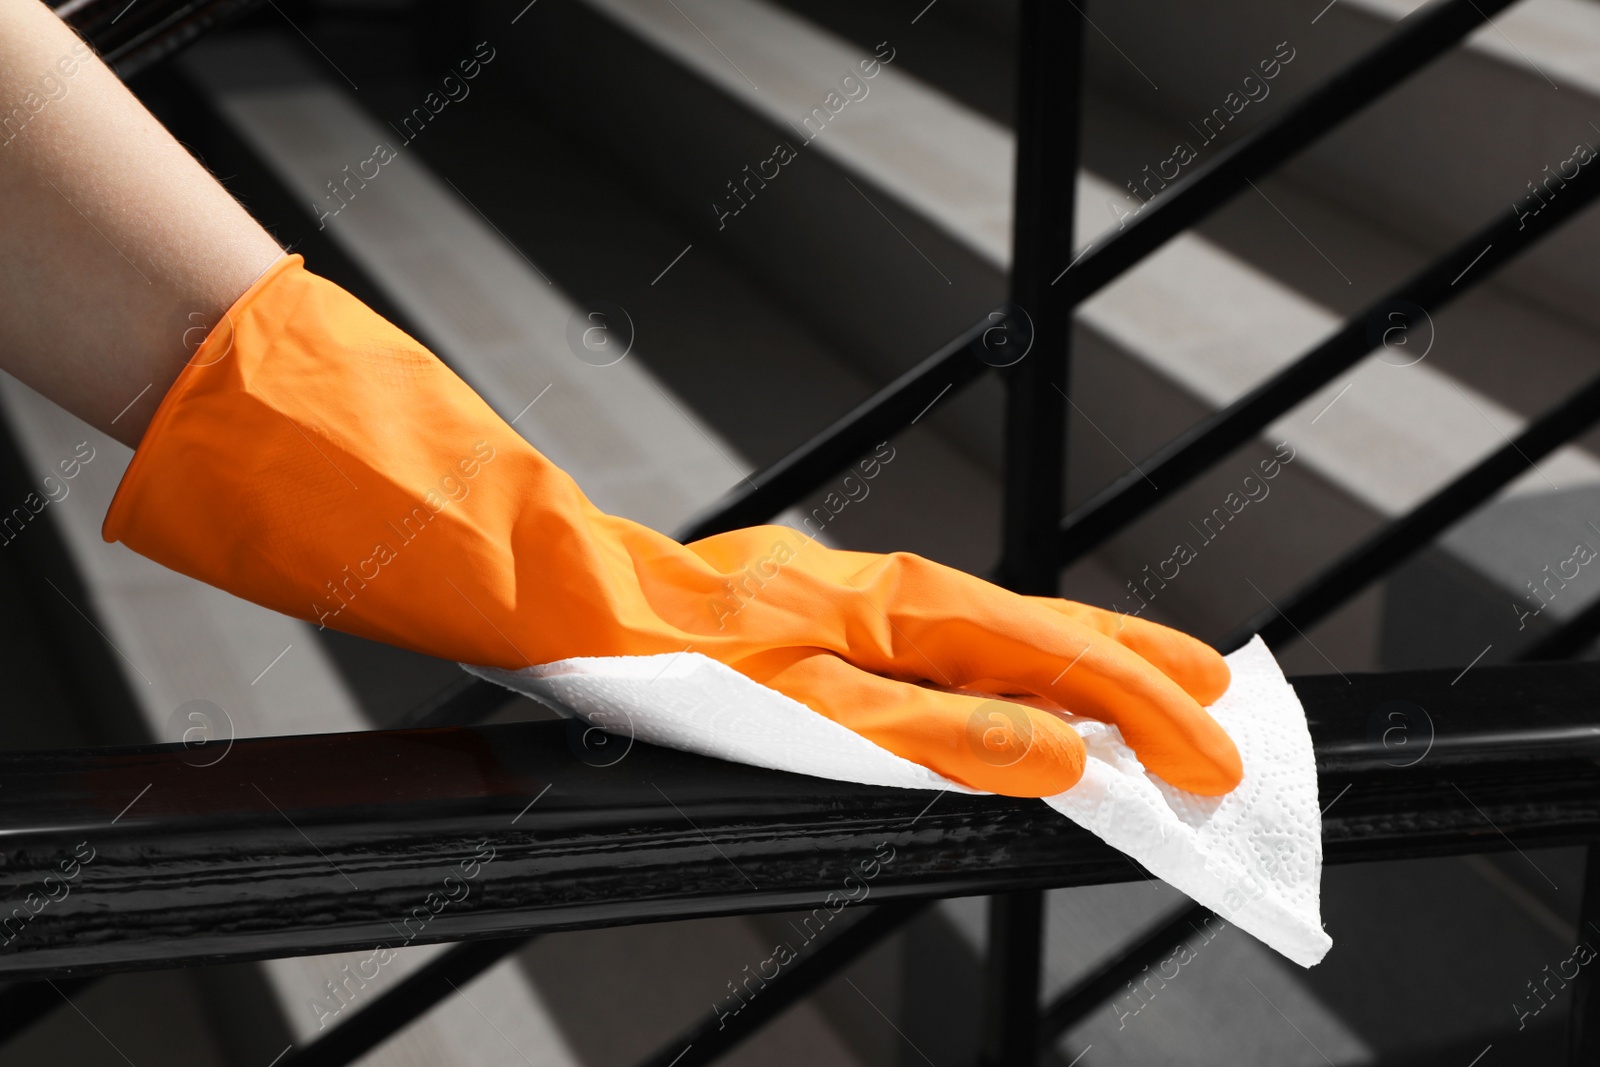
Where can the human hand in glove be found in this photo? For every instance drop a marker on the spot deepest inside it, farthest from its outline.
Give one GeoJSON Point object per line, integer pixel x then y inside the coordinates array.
{"type": "Point", "coordinates": [314, 459]}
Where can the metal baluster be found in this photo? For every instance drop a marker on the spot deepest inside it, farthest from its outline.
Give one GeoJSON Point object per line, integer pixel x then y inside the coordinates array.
{"type": "Point", "coordinates": [1011, 980]}
{"type": "Point", "coordinates": [1049, 42]}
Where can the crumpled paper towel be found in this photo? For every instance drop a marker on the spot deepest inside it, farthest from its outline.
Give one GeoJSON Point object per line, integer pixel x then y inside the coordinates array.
{"type": "Point", "coordinates": [1254, 856]}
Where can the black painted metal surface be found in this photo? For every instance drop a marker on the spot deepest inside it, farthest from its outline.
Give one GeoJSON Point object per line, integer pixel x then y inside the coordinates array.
{"type": "Point", "coordinates": [1049, 121]}
{"type": "Point", "coordinates": [141, 857]}
{"type": "Point", "coordinates": [1049, 117]}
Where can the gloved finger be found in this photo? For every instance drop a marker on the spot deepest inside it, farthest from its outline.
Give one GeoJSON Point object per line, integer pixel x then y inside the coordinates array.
{"type": "Point", "coordinates": [981, 742]}
{"type": "Point", "coordinates": [1089, 674]}
{"type": "Point", "coordinates": [956, 630]}
{"type": "Point", "coordinates": [1192, 664]}
{"type": "Point", "coordinates": [1197, 667]}
{"type": "Point", "coordinates": [1172, 734]}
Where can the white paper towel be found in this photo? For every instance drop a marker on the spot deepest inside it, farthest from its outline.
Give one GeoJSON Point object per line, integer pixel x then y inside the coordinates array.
{"type": "Point", "coordinates": [1254, 856]}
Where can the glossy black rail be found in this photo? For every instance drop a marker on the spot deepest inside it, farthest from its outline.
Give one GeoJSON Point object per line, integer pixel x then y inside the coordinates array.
{"type": "Point", "coordinates": [348, 842]}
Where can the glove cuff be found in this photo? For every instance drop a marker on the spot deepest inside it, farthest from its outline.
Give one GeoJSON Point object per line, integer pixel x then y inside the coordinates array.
{"type": "Point", "coordinates": [218, 345]}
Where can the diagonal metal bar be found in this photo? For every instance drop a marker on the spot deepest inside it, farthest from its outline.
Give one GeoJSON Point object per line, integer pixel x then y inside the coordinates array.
{"type": "Point", "coordinates": [403, 1005]}
{"type": "Point", "coordinates": [1420, 38]}
{"type": "Point", "coordinates": [720, 1033]}
{"type": "Point", "coordinates": [1571, 638]}
{"type": "Point", "coordinates": [1075, 1002]}
{"type": "Point", "coordinates": [1568, 640]}
{"type": "Point", "coordinates": [1177, 463]}
{"type": "Point", "coordinates": [464, 701]}
{"type": "Point", "coordinates": [1194, 451]}
{"type": "Point", "coordinates": [1403, 537]}
{"type": "Point", "coordinates": [883, 414]}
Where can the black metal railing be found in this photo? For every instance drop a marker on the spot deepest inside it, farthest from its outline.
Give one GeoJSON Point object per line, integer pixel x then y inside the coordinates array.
{"type": "Point", "coordinates": [1537, 782]}
{"type": "Point", "coordinates": [590, 851]}
{"type": "Point", "coordinates": [666, 834]}
{"type": "Point", "coordinates": [1033, 425]}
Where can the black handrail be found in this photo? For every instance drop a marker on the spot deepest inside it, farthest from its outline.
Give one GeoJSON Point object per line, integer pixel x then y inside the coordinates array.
{"type": "Point", "coordinates": [323, 843]}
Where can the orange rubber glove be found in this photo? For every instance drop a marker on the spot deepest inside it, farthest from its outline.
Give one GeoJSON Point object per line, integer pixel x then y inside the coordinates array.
{"type": "Point", "coordinates": [314, 459]}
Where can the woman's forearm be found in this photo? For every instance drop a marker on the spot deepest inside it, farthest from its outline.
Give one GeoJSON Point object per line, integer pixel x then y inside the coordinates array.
{"type": "Point", "coordinates": [118, 251]}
